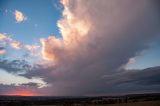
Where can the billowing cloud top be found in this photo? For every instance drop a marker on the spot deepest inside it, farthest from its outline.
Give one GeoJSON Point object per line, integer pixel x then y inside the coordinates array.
{"type": "Point", "coordinates": [98, 39]}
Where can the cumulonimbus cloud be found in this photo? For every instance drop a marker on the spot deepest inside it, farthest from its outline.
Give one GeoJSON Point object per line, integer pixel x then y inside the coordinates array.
{"type": "Point", "coordinates": [98, 38]}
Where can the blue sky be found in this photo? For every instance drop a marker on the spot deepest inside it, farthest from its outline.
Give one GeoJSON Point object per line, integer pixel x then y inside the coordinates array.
{"type": "Point", "coordinates": [42, 17]}
{"type": "Point", "coordinates": [147, 58]}
{"type": "Point", "coordinates": [41, 20]}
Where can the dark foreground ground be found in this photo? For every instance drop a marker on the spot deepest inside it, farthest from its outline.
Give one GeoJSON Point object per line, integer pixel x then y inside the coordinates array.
{"type": "Point", "coordinates": [126, 100]}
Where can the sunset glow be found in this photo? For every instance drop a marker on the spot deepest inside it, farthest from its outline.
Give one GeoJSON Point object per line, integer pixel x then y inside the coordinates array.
{"type": "Point", "coordinates": [22, 93]}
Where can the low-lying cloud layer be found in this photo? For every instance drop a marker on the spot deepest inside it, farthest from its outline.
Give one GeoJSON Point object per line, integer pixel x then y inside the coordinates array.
{"type": "Point", "coordinates": [99, 37]}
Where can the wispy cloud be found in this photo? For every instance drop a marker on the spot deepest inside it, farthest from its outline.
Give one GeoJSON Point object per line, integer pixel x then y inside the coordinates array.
{"type": "Point", "coordinates": [19, 16]}
{"type": "Point", "coordinates": [4, 37]}
{"type": "Point", "coordinates": [31, 48]}
{"type": "Point", "coordinates": [16, 45]}
{"type": "Point", "coordinates": [6, 40]}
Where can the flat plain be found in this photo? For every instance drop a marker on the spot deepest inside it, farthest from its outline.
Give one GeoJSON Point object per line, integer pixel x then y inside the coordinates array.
{"type": "Point", "coordinates": [125, 100]}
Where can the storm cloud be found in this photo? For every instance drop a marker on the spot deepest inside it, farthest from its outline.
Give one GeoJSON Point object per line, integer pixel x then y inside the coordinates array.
{"type": "Point", "coordinates": [99, 38]}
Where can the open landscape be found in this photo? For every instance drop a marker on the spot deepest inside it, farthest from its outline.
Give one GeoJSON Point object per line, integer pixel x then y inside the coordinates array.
{"type": "Point", "coordinates": [127, 100]}
{"type": "Point", "coordinates": [79, 52]}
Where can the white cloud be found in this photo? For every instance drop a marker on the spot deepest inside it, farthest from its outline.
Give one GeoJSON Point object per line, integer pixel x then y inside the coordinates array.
{"type": "Point", "coordinates": [4, 37]}
{"type": "Point", "coordinates": [6, 40]}
{"type": "Point", "coordinates": [16, 45]}
{"type": "Point", "coordinates": [19, 16]}
{"type": "Point", "coordinates": [32, 49]}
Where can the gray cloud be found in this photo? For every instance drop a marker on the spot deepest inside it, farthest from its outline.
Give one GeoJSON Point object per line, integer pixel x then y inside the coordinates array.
{"type": "Point", "coordinates": [2, 48]}
{"type": "Point", "coordinates": [126, 81]}
{"type": "Point", "coordinates": [2, 51]}
{"type": "Point", "coordinates": [14, 66]}
{"type": "Point", "coordinates": [119, 31]}
{"type": "Point", "coordinates": [17, 90]}
{"type": "Point", "coordinates": [132, 81]}
{"type": "Point", "coordinates": [31, 84]}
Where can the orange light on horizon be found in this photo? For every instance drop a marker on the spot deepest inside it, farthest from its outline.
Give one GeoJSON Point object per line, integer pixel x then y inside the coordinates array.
{"type": "Point", "coordinates": [22, 93]}
{"type": "Point", "coordinates": [26, 93]}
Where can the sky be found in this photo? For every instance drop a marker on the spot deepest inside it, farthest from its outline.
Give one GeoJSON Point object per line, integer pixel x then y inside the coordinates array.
{"type": "Point", "coordinates": [79, 47]}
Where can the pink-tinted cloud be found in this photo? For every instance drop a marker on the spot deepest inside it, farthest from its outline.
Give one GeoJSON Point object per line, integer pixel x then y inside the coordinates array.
{"type": "Point", "coordinates": [2, 51]}
{"type": "Point", "coordinates": [4, 37]}
{"type": "Point", "coordinates": [98, 38]}
{"type": "Point", "coordinates": [57, 48]}
{"type": "Point", "coordinates": [19, 16]}
{"type": "Point", "coordinates": [16, 45]}
{"type": "Point", "coordinates": [31, 48]}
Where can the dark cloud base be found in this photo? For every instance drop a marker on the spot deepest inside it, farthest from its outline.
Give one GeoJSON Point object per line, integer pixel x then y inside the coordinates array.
{"type": "Point", "coordinates": [122, 82]}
